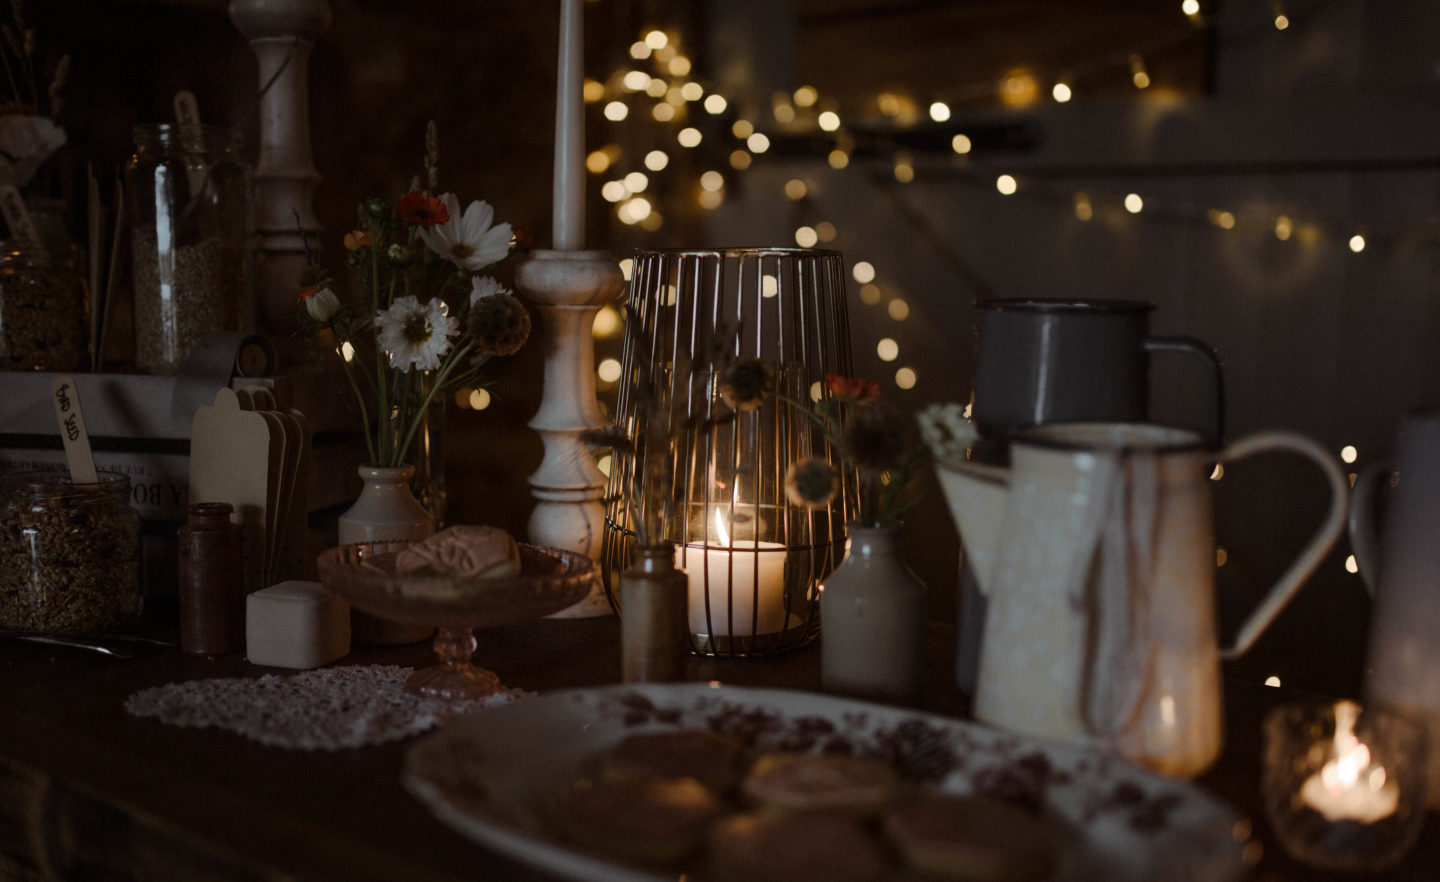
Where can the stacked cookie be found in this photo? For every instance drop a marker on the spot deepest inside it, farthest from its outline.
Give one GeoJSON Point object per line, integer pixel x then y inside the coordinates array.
{"type": "Point", "coordinates": [694, 800]}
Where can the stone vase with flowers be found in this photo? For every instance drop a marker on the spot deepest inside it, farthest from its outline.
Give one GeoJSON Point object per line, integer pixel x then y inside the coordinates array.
{"type": "Point", "coordinates": [423, 321]}
{"type": "Point", "coordinates": [873, 608]}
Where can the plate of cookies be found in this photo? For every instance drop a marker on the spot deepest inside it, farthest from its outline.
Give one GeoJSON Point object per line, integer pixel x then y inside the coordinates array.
{"type": "Point", "coordinates": [635, 783]}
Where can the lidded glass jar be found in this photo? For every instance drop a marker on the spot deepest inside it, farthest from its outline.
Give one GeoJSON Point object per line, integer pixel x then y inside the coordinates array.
{"type": "Point", "coordinates": [192, 225]}
{"type": "Point", "coordinates": [43, 318]}
{"type": "Point", "coordinates": [69, 554]}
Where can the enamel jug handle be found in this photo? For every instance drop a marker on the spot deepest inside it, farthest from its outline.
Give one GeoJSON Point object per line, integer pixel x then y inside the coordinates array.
{"type": "Point", "coordinates": [1319, 545]}
{"type": "Point", "coordinates": [1364, 537]}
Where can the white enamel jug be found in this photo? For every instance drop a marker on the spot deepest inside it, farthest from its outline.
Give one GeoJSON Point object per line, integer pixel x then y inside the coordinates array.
{"type": "Point", "coordinates": [1401, 567]}
{"type": "Point", "coordinates": [1094, 549]}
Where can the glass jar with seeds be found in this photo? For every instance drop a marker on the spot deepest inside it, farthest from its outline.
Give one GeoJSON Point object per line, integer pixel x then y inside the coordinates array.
{"type": "Point", "coordinates": [43, 324]}
{"type": "Point", "coordinates": [191, 238]}
{"type": "Point", "coordinates": [69, 554]}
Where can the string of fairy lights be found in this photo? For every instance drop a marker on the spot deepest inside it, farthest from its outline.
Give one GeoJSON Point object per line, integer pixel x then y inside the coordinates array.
{"type": "Point", "coordinates": [683, 114]}
{"type": "Point", "coordinates": [655, 89]}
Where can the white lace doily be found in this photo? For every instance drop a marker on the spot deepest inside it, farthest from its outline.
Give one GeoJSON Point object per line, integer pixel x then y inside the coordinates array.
{"type": "Point", "coordinates": [322, 709]}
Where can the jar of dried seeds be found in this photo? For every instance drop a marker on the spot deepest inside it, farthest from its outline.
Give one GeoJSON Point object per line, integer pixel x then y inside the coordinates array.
{"type": "Point", "coordinates": [192, 230]}
{"type": "Point", "coordinates": [43, 323]}
{"type": "Point", "coordinates": [69, 554]}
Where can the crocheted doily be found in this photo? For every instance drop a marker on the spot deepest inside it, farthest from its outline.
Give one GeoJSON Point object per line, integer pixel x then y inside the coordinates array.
{"type": "Point", "coordinates": [322, 709]}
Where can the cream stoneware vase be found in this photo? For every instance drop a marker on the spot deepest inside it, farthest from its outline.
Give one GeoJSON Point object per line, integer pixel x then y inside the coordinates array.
{"type": "Point", "coordinates": [385, 510]}
{"type": "Point", "coordinates": [873, 611]}
{"type": "Point", "coordinates": [1095, 551]}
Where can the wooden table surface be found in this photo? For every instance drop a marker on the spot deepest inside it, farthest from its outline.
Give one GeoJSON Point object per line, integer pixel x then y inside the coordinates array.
{"type": "Point", "coordinates": [89, 792]}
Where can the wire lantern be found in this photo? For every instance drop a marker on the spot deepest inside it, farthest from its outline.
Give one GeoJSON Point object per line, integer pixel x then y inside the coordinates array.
{"type": "Point", "coordinates": [710, 475]}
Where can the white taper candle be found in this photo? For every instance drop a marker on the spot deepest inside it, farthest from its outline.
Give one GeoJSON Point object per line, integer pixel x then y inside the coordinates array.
{"type": "Point", "coordinates": [569, 229]}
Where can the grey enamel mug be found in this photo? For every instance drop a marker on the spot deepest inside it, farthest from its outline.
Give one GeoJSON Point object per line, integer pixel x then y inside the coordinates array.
{"type": "Point", "coordinates": [1043, 360]}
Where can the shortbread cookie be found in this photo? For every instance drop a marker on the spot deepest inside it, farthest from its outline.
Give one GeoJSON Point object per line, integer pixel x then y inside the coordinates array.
{"type": "Point", "coordinates": [709, 757]}
{"type": "Point", "coordinates": [832, 782]}
{"type": "Point", "coordinates": [467, 551]}
{"type": "Point", "coordinates": [770, 845]}
{"type": "Point", "coordinates": [974, 838]}
{"type": "Point", "coordinates": [651, 820]}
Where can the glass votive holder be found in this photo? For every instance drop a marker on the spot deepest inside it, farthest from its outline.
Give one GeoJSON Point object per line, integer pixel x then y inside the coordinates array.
{"type": "Point", "coordinates": [1344, 786]}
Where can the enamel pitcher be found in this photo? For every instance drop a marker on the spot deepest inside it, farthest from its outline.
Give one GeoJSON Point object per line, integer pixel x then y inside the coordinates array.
{"type": "Point", "coordinates": [1401, 568]}
{"type": "Point", "coordinates": [1042, 360]}
{"type": "Point", "coordinates": [1095, 553]}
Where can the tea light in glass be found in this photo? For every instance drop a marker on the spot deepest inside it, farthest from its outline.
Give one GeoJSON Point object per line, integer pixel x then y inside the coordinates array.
{"type": "Point", "coordinates": [1344, 787]}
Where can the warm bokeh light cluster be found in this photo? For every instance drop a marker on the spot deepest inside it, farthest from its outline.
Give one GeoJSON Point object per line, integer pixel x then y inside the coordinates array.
{"type": "Point", "coordinates": [655, 84]}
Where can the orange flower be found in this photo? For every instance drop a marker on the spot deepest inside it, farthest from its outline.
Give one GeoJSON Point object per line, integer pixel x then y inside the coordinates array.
{"type": "Point", "coordinates": [356, 239]}
{"type": "Point", "coordinates": [852, 388]}
{"type": "Point", "coordinates": [417, 208]}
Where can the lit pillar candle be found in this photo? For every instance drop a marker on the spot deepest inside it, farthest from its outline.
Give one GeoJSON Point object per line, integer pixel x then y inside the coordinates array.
{"type": "Point", "coordinates": [1348, 787]}
{"type": "Point", "coordinates": [569, 204]}
{"type": "Point", "coordinates": [738, 574]}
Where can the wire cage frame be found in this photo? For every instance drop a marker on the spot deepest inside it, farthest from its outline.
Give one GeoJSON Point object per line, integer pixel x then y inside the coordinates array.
{"type": "Point", "coordinates": [710, 476]}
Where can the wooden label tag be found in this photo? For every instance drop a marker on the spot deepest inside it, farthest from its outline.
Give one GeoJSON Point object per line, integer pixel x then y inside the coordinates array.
{"type": "Point", "coordinates": [72, 430]}
{"type": "Point", "coordinates": [187, 109]}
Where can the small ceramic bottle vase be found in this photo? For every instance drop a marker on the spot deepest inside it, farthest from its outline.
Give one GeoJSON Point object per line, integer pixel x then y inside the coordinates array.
{"type": "Point", "coordinates": [654, 632]}
{"type": "Point", "coordinates": [386, 509]}
{"type": "Point", "coordinates": [873, 611]}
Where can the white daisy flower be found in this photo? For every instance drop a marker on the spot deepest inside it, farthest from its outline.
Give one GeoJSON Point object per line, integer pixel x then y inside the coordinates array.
{"type": "Point", "coordinates": [468, 241]}
{"type": "Point", "coordinates": [946, 430]}
{"type": "Point", "coordinates": [485, 286]}
{"type": "Point", "coordinates": [415, 335]}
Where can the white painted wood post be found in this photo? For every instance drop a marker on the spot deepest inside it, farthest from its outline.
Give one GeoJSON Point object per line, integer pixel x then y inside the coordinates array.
{"type": "Point", "coordinates": [282, 34]}
{"type": "Point", "coordinates": [568, 288]}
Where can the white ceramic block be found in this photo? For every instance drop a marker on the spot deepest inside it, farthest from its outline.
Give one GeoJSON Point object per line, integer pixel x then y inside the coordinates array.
{"type": "Point", "coordinates": [296, 625]}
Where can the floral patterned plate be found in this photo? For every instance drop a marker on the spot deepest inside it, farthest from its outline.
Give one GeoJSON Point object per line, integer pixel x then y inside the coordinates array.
{"type": "Point", "coordinates": [494, 775]}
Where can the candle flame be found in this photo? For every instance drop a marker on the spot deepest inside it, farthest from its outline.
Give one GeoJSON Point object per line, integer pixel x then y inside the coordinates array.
{"type": "Point", "coordinates": [720, 528]}
{"type": "Point", "coordinates": [1351, 757]}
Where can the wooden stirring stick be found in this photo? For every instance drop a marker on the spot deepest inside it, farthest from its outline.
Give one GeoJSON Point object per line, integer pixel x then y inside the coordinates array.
{"type": "Point", "coordinates": [72, 430]}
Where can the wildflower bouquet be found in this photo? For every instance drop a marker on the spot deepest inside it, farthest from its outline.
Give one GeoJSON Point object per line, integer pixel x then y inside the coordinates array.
{"type": "Point", "coordinates": [868, 435]}
{"type": "Point", "coordinates": [29, 134]}
{"type": "Point", "coordinates": [428, 319]}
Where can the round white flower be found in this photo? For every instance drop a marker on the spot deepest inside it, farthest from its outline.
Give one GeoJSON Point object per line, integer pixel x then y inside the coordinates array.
{"type": "Point", "coordinates": [946, 430]}
{"type": "Point", "coordinates": [469, 241]}
{"type": "Point", "coordinates": [415, 335]}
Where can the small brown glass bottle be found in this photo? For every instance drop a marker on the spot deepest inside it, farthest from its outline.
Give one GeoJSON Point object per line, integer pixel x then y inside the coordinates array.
{"type": "Point", "coordinates": [653, 631]}
{"type": "Point", "coordinates": [212, 591]}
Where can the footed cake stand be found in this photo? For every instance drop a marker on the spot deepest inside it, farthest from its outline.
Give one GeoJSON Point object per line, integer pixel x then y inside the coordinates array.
{"type": "Point", "coordinates": [363, 575]}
